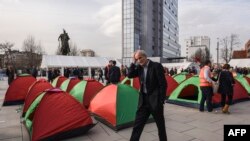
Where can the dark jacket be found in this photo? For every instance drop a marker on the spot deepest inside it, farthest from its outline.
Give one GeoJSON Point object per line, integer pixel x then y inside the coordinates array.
{"type": "Point", "coordinates": [106, 72]}
{"type": "Point", "coordinates": [11, 74]}
{"type": "Point", "coordinates": [225, 82]}
{"type": "Point", "coordinates": [114, 74]}
{"type": "Point", "coordinates": [156, 84]}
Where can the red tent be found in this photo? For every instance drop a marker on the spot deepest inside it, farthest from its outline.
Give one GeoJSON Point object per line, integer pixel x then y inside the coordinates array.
{"type": "Point", "coordinates": [239, 94]}
{"type": "Point", "coordinates": [115, 105]}
{"type": "Point", "coordinates": [248, 79]}
{"type": "Point", "coordinates": [59, 116]}
{"type": "Point", "coordinates": [171, 84]}
{"type": "Point", "coordinates": [35, 90]}
{"type": "Point", "coordinates": [58, 81]}
{"type": "Point", "coordinates": [92, 88]}
{"type": "Point", "coordinates": [18, 89]}
{"type": "Point", "coordinates": [133, 82]}
{"type": "Point", "coordinates": [69, 84]}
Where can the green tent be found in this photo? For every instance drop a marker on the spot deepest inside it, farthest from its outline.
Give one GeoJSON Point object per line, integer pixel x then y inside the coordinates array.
{"type": "Point", "coordinates": [133, 82]}
{"type": "Point", "coordinates": [28, 116]}
{"type": "Point", "coordinates": [243, 82]}
{"type": "Point", "coordinates": [58, 81]}
{"type": "Point", "coordinates": [83, 91]}
{"type": "Point", "coordinates": [76, 91]}
{"type": "Point", "coordinates": [187, 93]}
{"type": "Point", "coordinates": [115, 106]}
{"type": "Point", "coordinates": [181, 77]}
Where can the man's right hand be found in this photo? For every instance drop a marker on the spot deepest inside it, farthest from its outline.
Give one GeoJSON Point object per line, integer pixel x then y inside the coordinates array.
{"type": "Point", "coordinates": [134, 59]}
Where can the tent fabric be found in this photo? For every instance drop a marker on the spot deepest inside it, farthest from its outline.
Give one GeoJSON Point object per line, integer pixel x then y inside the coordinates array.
{"type": "Point", "coordinates": [49, 61]}
{"type": "Point", "coordinates": [35, 90]}
{"type": "Point", "coordinates": [68, 84]}
{"type": "Point", "coordinates": [58, 81]}
{"type": "Point", "coordinates": [133, 82]}
{"type": "Point", "coordinates": [28, 118]}
{"type": "Point", "coordinates": [248, 80]}
{"type": "Point", "coordinates": [85, 90]}
{"type": "Point", "coordinates": [188, 93]}
{"type": "Point", "coordinates": [240, 62]}
{"type": "Point", "coordinates": [18, 89]}
{"type": "Point", "coordinates": [55, 105]}
{"type": "Point", "coordinates": [29, 115]}
{"type": "Point", "coordinates": [115, 105]}
{"type": "Point", "coordinates": [182, 76]}
{"type": "Point", "coordinates": [91, 89]}
{"type": "Point", "coordinates": [171, 85]}
{"type": "Point", "coordinates": [243, 82]}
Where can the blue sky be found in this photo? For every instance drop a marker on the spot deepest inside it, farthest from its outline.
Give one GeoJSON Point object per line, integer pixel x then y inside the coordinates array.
{"type": "Point", "coordinates": [96, 24]}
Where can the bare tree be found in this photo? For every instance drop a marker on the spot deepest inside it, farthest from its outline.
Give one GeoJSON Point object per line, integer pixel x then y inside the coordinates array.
{"type": "Point", "coordinates": [7, 49]}
{"type": "Point", "coordinates": [58, 50]}
{"type": "Point", "coordinates": [201, 55]}
{"type": "Point", "coordinates": [34, 51]}
{"type": "Point", "coordinates": [74, 51]}
{"type": "Point", "coordinates": [229, 43]}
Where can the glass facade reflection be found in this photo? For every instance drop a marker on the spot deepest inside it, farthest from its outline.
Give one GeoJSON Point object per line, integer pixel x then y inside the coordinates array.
{"type": "Point", "coordinates": [151, 25]}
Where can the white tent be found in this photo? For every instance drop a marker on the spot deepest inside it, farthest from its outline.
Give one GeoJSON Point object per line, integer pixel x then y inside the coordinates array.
{"type": "Point", "coordinates": [183, 66]}
{"type": "Point", "coordinates": [52, 61]}
{"type": "Point", "coordinates": [240, 62]}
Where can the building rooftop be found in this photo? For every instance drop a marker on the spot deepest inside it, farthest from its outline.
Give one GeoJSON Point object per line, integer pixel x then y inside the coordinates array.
{"type": "Point", "coordinates": [239, 54]}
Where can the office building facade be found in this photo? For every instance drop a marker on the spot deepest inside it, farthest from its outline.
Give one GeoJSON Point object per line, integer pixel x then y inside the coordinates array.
{"type": "Point", "coordinates": [195, 43]}
{"type": "Point", "coordinates": [151, 25]}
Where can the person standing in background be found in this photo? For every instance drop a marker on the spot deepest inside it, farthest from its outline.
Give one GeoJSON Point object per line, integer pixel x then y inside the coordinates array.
{"type": "Point", "coordinates": [226, 83]}
{"type": "Point", "coordinates": [10, 73]}
{"type": "Point", "coordinates": [114, 73]}
{"type": "Point", "coordinates": [206, 87]}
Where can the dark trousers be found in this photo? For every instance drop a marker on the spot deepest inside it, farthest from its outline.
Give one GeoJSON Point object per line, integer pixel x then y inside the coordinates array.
{"type": "Point", "coordinates": [229, 100]}
{"type": "Point", "coordinates": [207, 94]}
{"type": "Point", "coordinates": [142, 116]}
{"type": "Point", "coordinates": [100, 77]}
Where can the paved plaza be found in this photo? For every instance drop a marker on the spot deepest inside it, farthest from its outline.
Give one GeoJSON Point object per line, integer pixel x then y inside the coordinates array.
{"type": "Point", "coordinates": [182, 124]}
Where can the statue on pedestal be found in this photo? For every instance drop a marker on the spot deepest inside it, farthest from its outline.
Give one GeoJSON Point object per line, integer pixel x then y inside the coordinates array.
{"type": "Point", "coordinates": [64, 37]}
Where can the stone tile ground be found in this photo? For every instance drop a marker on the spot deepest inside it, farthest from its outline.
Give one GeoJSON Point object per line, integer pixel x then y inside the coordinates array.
{"type": "Point", "coordinates": [182, 124]}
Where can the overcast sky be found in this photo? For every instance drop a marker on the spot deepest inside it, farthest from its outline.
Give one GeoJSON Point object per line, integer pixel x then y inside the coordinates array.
{"type": "Point", "coordinates": [96, 24]}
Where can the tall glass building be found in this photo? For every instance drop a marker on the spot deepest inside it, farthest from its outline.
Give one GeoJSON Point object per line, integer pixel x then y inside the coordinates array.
{"type": "Point", "coordinates": [151, 25]}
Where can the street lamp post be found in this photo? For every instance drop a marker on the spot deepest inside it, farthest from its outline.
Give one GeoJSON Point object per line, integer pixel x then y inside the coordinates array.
{"type": "Point", "coordinates": [217, 51]}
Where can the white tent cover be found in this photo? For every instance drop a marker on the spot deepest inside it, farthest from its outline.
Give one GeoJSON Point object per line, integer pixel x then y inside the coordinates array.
{"type": "Point", "coordinates": [183, 66]}
{"type": "Point", "coordinates": [240, 62]}
{"type": "Point", "coordinates": [50, 61]}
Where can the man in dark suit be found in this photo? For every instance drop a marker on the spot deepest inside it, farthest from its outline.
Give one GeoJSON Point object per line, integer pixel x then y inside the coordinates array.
{"type": "Point", "coordinates": [153, 87]}
{"type": "Point", "coordinates": [114, 73]}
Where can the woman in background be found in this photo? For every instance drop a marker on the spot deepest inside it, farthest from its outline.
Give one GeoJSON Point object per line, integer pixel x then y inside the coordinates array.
{"type": "Point", "coordinates": [226, 83]}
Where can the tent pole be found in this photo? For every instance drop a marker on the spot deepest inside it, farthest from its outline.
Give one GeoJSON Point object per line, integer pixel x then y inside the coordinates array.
{"type": "Point", "coordinates": [62, 71]}
{"type": "Point", "coordinates": [89, 72]}
{"type": "Point", "coordinates": [47, 72]}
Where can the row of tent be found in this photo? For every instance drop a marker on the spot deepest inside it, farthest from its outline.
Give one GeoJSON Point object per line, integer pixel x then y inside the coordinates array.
{"type": "Point", "coordinates": [114, 105]}
{"type": "Point", "coordinates": [183, 89]}
{"type": "Point", "coordinates": [48, 111]}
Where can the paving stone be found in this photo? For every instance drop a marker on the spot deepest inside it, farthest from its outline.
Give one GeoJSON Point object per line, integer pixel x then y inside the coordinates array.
{"type": "Point", "coordinates": [10, 132]}
{"type": "Point", "coordinates": [179, 127]}
{"type": "Point", "coordinates": [205, 125]}
{"type": "Point", "coordinates": [182, 124]}
{"type": "Point", "coordinates": [203, 135]}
